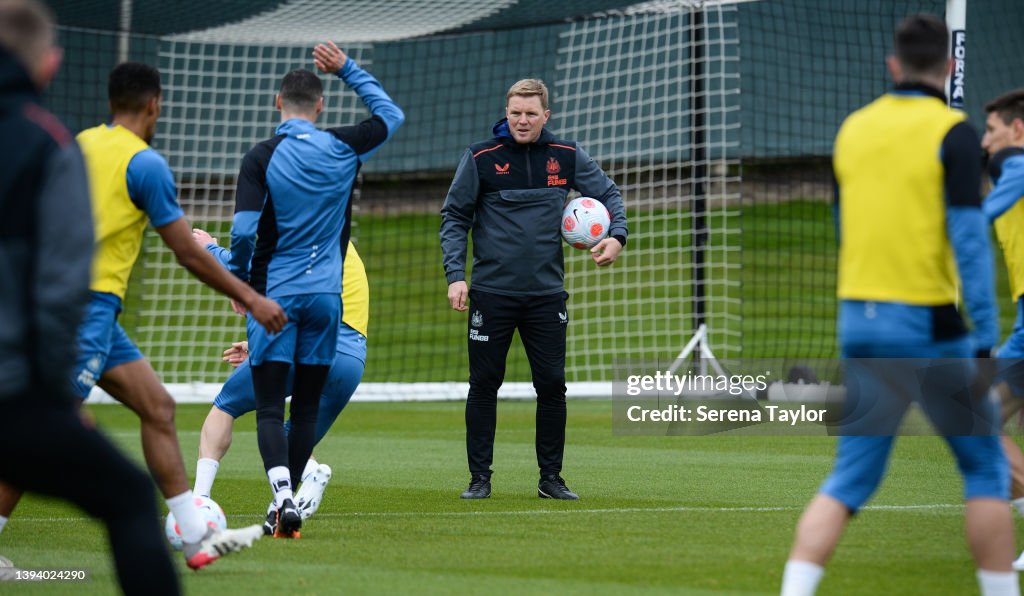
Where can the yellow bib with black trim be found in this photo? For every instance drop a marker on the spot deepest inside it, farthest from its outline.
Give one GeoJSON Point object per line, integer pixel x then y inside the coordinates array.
{"type": "Point", "coordinates": [119, 224]}
{"type": "Point", "coordinates": [893, 241]}
{"type": "Point", "coordinates": [355, 292]}
{"type": "Point", "coordinates": [1010, 233]}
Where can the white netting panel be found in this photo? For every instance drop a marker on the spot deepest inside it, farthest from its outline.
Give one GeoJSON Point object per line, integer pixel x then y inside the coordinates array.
{"type": "Point", "coordinates": [625, 92]}
{"type": "Point", "coordinates": [304, 21]}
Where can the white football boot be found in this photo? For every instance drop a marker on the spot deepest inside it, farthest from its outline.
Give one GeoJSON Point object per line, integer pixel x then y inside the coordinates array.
{"type": "Point", "coordinates": [311, 493]}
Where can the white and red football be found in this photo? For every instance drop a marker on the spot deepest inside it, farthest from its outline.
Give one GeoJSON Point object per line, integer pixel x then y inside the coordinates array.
{"type": "Point", "coordinates": [585, 222]}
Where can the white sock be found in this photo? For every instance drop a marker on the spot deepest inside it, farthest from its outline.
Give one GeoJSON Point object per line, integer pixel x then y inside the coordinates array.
{"type": "Point", "coordinates": [206, 473]}
{"type": "Point", "coordinates": [280, 483]}
{"type": "Point", "coordinates": [998, 583]}
{"type": "Point", "coordinates": [190, 521]}
{"type": "Point", "coordinates": [801, 578]}
{"type": "Point", "coordinates": [3, 522]}
{"type": "Point", "coordinates": [1018, 505]}
{"type": "Point", "coordinates": [309, 469]}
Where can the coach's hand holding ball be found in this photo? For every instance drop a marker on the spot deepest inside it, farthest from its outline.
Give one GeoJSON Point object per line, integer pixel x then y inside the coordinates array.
{"type": "Point", "coordinates": [585, 225]}
{"type": "Point", "coordinates": [606, 252]}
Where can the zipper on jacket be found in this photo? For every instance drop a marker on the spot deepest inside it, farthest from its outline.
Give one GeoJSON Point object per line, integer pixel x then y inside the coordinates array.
{"type": "Point", "coordinates": [529, 173]}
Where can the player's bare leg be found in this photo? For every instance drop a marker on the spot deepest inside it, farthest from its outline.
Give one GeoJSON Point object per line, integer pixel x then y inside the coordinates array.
{"type": "Point", "coordinates": [9, 497]}
{"type": "Point", "coordinates": [990, 533]}
{"type": "Point", "coordinates": [215, 438]}
{"type": "Point", "coordinates": [817, 534]}
{"type": "Point", "coordinates": [1010, 404]}
{"type": "Point", "coordinates": [136, 385]}
{"type": "Point", "coordinates": [1016, 458]}
{"type": "Point", "coordinates": [214, 442]}
{"type": "Point", "coordinates": [819, 529]}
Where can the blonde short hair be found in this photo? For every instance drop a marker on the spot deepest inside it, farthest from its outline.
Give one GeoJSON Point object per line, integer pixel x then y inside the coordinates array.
{"type": "Point", "coordinates": [26, 30]}
{"type": "Point", "coordinates": [529, 88]}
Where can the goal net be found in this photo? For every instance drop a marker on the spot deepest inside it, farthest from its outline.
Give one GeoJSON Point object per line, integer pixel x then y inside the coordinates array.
{"type": "Point", "coordinates": [715, 118]}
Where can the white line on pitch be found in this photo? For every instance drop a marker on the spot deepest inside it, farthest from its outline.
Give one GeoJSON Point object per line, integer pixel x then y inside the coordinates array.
{"type": "Point", "coordinates": [681, 509]}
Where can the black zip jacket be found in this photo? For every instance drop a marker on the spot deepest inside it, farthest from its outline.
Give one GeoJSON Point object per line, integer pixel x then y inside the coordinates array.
{"type": "Point", "coordinates": [511, 195]}
{"type": "Point", "coordinates": [46, 241]}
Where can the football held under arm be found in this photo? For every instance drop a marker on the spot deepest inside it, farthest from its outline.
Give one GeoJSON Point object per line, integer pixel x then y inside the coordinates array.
{"type": "Point", "coordinates": [591, 181]}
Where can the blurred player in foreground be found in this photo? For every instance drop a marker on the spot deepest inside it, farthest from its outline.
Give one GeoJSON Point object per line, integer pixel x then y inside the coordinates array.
{"type": "Point", "coordinates": [237, 398]}
{"type": "Point", "coordinates": [1003, 142]}
{"type": "Point", "coordinates": [906, 160]}
{"type": "Point", "coordinates": [291, 226]}
{"type": "Point", "coordinates": [46, 248]}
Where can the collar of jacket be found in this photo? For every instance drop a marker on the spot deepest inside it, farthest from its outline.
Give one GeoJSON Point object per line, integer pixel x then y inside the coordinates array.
{"type": "Point", "coordinates": [16, 86]}
{"type": "Point", "coordinates": [995, 163]}
{"type": "Point", "coordinates": [501, 132]}
{"type": "Point", "coordinates": [918, 89]}
{"type": "Point", "coordinates": [294, 126]}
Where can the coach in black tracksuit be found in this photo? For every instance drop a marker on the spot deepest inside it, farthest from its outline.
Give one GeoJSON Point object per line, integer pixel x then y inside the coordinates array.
{"type": "Point", "coordinates": [510, 190]}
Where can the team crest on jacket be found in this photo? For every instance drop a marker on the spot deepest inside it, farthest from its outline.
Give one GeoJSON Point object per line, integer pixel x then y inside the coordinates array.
{"type": "Point", "coordinates": [553, 169]}
{"type": "Point", "coordinates": [477, 319]}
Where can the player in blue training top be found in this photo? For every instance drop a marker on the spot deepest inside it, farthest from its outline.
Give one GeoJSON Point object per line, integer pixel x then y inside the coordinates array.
{"type": "Point", "coordinates": [292, 218]}
{"type": "Point", "coordinates": [236, 397]}
{"type": "Point", "coordinates": [908, 162]}
{"type": "Point", "coordinates": [1004, 143]}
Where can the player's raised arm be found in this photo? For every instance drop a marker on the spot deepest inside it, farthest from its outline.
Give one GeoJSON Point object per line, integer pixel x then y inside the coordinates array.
{"type": "Point", "coordinates": [367, 136]}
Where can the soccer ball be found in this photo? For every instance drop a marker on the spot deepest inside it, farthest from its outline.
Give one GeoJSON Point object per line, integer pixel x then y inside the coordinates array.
{"type": "Point", "coordinates": [212, 514]}
{"type": "Point", "coordinates": [585, 222]}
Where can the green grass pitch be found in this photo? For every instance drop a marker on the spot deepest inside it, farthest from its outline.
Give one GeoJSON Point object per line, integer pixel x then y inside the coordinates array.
{"type": "Point", "coordinates": [679, 515]}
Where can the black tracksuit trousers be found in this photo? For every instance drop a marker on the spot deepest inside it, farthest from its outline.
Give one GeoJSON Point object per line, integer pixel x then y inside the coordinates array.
{"type": "Point", "coordinates": [542, 322]}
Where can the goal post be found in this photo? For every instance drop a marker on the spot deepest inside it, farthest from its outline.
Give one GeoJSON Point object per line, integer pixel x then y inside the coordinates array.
{"type": "Point", "coordinates": [956, 21]}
